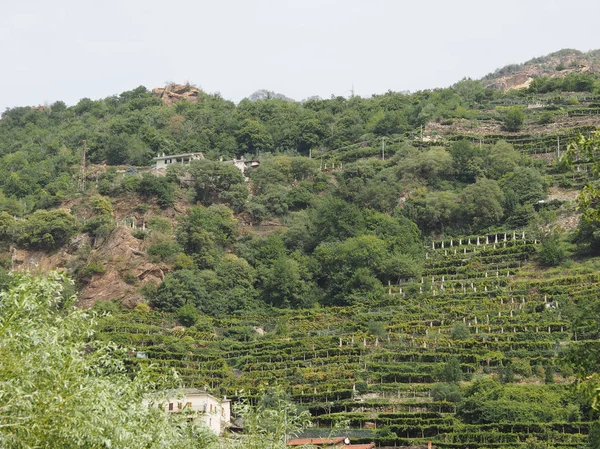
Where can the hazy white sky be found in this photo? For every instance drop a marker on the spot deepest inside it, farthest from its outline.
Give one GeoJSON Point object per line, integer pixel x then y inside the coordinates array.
{"type": "Point", "coordinates": [70, 49]}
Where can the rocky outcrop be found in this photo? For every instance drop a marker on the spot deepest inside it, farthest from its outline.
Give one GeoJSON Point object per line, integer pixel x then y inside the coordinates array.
{"type": "Point", "coordinates": [126, 269]}
{"type": "Point", "coordinates": [174, 93]}
{"type": "Point", "coordinates": [556, 64]}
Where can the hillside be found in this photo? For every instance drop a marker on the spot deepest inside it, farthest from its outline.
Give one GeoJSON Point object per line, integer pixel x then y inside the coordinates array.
{"type": "Point", "coordinates": [557, 64]}
{"type": "Point", "coordinates": [409, 267]}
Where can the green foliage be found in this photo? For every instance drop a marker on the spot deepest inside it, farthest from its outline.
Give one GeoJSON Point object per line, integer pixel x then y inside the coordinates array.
{"type": "Point", "coordinates": [205, 227]}
{"type": "Point", "coordinates": [572, 82]}
{"type": "Point", "coordinates": [460, 331]}
{"type": "Point", "coordinates": [215, 180]}
{"type": "Point", "coordinates": [524, 185]}
{"type": "Point", "coordinates": [163, 249]}
{"type": "Point", "coordinates": [46, 229]}
{"type": "Point", "coordinates": [159, 224]}
{"type": "Point", "coordinates": [514, 119]}
{"type": "Point", "coordinates": [273, 421]}
{"type": "Point", "coordinates": [151, 185]}
{"type": "Point", "coordinates": [61, 388]}
{"type": "Point", "coordinates": [481, 204]}
{"type": "Point", "coordinates": [551, 251]}
{"type": "Point", "coordinates": [101, 205]}
{"type": "Point", "coordinates": [187, 315]}
{"type": "Point", "coordinates": [99, 226]}
{"type": "Point", "coordinates": [451, 371]}
{"type": "Point", "coordinates": [448, 392]}
{"type": "Point", "coordinates": [431, 166]}
{"type": "Point", "coordinates": [546, 118]}
{"type": "Point", "coordinates": [501, 159]}
{"type": "Point", "coordinates": [288, 283]}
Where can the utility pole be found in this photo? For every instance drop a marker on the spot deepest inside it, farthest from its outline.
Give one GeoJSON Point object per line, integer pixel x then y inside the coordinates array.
{"type": "Point", "coordinates": [383, 148]}
{"type": "Point", "coordinates": [83, 163]}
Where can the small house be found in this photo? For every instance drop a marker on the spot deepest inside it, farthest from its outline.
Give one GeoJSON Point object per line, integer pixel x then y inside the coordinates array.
{"type": "Point", "coordinates": [215, 413]}
{"type": "Point", "coordinates": [164, 161]}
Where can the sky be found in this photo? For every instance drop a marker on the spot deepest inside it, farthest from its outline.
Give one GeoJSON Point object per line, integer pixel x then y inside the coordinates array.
{"type": "Point", "coordinates": [71, 49]}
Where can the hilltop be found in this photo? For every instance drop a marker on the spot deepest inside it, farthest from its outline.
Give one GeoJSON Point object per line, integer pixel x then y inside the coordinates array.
{"type": "Point", "coordinates": [557, 64]}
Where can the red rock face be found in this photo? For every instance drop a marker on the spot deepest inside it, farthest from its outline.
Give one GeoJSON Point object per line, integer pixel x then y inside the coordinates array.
{"type": "Point", "coordinates": [174, 93]}
{"type": "Point", "coordinates": [120, 254]}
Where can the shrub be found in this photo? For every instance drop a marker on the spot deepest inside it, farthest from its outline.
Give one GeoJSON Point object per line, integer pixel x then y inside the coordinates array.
{"type": "Point", "coordinates": [47, 229]}
{"type": "Point", "coordinates": [377, 328]}
{"type": "Point", "coordinates": [449, 392]}
{"type": "Point", "coordinates": [163, 250]}
{"type": "Point", "coordinates": [515, 117]}
{"type": "Point", "coordinates": [100, 226]}
{"type": "Point", "coordinates": [460, 331]}
{"type": "Point", "coordinates": [451, 371]}
{"type": "Point", "coordinates": [187, 315]}
{"type": "Point", "coordinates": [92, 268]}
{"type": "Point", "coordinates": [551, 251]}
{"type": "Point", "coordinates": [101, 205]}
{"type": "Point", "coordinates": [545, 118]}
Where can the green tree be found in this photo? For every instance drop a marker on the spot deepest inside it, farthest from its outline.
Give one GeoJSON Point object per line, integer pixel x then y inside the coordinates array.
{"type": "Point", "coordinates": [213, 179]}
{"type": "Point", "coordinates": [501, 159]}
{"type": "Point", "coordinates": [481, 204]}
{"type": "Point", "coordinates": [588, 201]}
{"type": "Point", "coordinates": [47, 229]}
{"type": "Point", "coordinates": [451, 372]}
{"type": "Point", "coordinates": [273, 421]}
{"type": "Point", "coordinates": [61, 388]}
{"type": "Point", "coordinates": [443, 391]}
{"type": "Point", "coordinates": [551, 252]}
{"type": "Point", "coordinates": [514, 119]}
{"type": "Point", "coordinates": [205, 232]}
{"type": "Point", "coordinates": [101, 205]}
{"type": "Point", "coordinates": [254, 137]}
{"type": "Point", "coordinates": [287, 284]}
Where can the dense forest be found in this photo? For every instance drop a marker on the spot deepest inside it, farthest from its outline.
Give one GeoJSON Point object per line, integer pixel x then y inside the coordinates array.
{"type": "Point", "coordinates": [408, 267]}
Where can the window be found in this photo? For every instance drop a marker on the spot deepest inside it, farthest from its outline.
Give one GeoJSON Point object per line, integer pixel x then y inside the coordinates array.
{"type": "Point", "coordinates": [170, 406]}
{"type": "Point", "coordinates": [188, 404]}
{"type": "Point", "coordinates": [180, 405]}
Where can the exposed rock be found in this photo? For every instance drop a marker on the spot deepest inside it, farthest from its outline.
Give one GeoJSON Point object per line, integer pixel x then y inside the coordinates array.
{"type": "Point", "coordinates": [123, 254]}
{"type": "Point", "coordinates": [174, 93]}
{"type": "Point", "coordinates": [558, 64]}
{"type": "Point", "coordinates": [264, 94]}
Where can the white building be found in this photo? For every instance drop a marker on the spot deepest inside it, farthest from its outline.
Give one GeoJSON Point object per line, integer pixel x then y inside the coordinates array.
{"type": "Point", "coordinates": [242, 164]}
{"type": "Point", "coordinates": [215, 413]}
{"type": "Point", "coordinates": [185, 158]}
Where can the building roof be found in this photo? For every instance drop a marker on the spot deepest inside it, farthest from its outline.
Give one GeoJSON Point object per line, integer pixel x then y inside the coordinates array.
{"type": "Point", "coordinates": [196, 392]}
{"type": "Point", "coordinates": [360, 446]}
{"type": "Point", "coordinates": [316, 441]}
{"type": "Point", "coordinates": [170, 156]}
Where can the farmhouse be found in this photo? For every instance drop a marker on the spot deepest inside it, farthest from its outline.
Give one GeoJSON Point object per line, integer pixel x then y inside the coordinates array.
{"type": "Point", "coordinates": [165, 160]}
{"type": "Point", "coordinates": [204, 406]}
{"type": "Point", "coordinates": [242, 164]}
{"type": "Point", "coordinates": [162, 162]}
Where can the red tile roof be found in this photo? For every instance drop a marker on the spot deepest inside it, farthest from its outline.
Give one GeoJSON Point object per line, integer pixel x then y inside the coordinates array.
{"type": "Point", "coordinates": [318, 441]}
{"type": "Point", "coordinates": [360, 446]}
